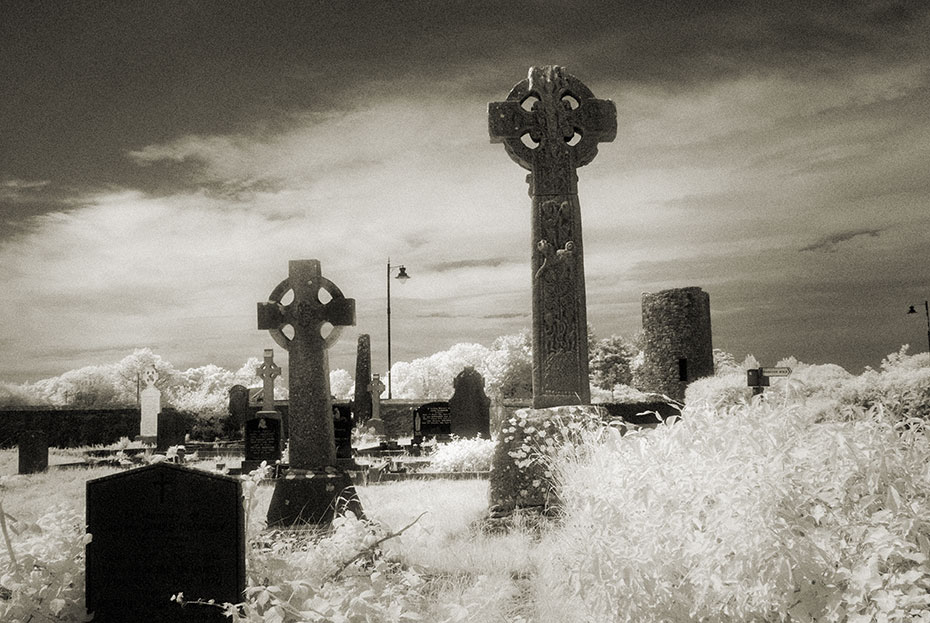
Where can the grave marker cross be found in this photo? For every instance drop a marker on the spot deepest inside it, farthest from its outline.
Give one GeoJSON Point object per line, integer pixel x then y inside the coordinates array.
{"type": "Point", "coordinates": [268, 372]}
{"type": "Point", "coordinates": [551, 124]}
{"type": "Point", "coordinates": [317, 302]}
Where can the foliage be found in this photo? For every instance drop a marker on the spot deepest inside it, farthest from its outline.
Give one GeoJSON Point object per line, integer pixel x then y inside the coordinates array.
{"type": "Point", "coordinates": [610, 362]}
{"type": "Point", "coordinates": [512, 367]}
{"type": "Point", "coordinates": [748, 512]}
{"type": "Point", "coordinates": [43, 577]}
{"type": "Point", "coordinates": [462, 455]}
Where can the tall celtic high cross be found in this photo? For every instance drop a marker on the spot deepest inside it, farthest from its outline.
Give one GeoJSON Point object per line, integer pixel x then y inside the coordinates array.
{"type": "Point", "coordinates": [317, 302]}
{"type": "Point", "coordinates": [268, 372]}
{"type": "Point", "coordinates": [551, 124]}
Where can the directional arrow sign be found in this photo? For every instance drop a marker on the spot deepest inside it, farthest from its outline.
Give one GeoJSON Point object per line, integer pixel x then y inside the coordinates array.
{"type": "Point", "coordinates": [776, 371]}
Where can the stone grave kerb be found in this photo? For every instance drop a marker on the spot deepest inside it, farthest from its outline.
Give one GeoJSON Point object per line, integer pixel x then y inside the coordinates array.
{"type": "Point", "coordinates": [551, 124]}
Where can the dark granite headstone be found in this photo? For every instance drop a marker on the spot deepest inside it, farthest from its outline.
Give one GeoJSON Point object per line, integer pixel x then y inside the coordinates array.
{"type": "Point", "coordinates": [470, 407]}
{"type": "Point", "coordinates": [173, 426]}
{"type": "Point", "coordinates": [160, 530]}
{"type": "Point", "coordinates": [239, 404]}
{"type": "Point", "coordinates": [433, 419]}
{"type": "Point", "coordinates": [263, 438]}
{"type": "Point", "coordinates": [33, 451]}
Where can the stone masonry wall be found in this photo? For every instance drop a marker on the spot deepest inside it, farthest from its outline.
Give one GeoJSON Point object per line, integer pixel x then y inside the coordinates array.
{"type": "Point", "coordinates": [677, 336]}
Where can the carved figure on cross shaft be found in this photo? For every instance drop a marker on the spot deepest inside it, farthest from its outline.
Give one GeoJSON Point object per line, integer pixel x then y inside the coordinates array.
{"type": "Point", "coordinates": [551, 124]}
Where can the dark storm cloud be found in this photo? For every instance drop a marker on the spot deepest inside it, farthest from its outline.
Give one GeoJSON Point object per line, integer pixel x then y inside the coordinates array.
{"type": "Point", "coordinates": [491, 262]}
{"type": "Point", "coordinates": [828, 244]}
{"type": "Point", "coordinates": [95, 80]}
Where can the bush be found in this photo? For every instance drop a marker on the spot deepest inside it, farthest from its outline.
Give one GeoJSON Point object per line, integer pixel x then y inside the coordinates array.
{"type": "Point", "coordinates": [462, 455]}
{"type": "Point", "coordinates": [749, 512]}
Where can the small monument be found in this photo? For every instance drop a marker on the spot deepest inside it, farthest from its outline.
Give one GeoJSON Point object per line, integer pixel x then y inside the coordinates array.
{"type": "Point", "coordinates": [470, 407]}
{"type": "Point", "coordinates": [313, 486]}
{"type": "Point", "coordinates": [561, 123]}
{"type": "Point", "coordinates": [150, 405]}
{"type": "Point", "coordinates": [238, 404]}
{"type": "Point", "coordinates": [263, 431]}
{"type": "Point", "coordinates": [433, 419]}
{"type": "Point", "coordinates": [375, 389]}
{"type": "Point", "coordinates": [361, 405]}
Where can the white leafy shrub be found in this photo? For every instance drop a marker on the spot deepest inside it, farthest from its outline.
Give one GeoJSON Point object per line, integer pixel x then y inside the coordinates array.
{"type": "Point", "coordinates": [463, 455]}
{"type": "Point", "coordinates": [751, 512]}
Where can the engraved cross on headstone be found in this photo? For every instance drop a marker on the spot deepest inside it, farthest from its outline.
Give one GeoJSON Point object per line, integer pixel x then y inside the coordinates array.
{"type": "Point", "coordinates": [268, 372]}
{"type": "Point", "coordinates": [317, 302]}
{"type": "Point", "coordinates": [551, 124]}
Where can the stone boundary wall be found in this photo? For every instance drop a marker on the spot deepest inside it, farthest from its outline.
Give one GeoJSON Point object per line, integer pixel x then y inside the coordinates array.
{"type": "Point", "coordinates": [69, 427]}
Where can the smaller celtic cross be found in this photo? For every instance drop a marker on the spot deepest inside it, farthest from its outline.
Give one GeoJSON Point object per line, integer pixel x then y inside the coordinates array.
{"type": "Point", "coordinates": [268, 372]}
{"type": "Point", "coordinates": [376, 387]}
{"type": "Point", "coordinates": [317, 302]}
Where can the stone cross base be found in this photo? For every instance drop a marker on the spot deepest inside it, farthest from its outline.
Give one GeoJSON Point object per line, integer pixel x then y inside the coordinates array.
{"type": "Point", "coordinates": [311, 498]}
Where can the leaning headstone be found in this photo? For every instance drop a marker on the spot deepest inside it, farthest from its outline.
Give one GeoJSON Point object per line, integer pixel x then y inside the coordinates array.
{"type": "Point", "coordinates": [375, 389]}
{"type": "Point", "coordinates": [33, 451]}
{"type": "Point", "coordinates": [433, 419]}
{"type": "Point", "coordinates": [470, 407]}
{"type": "Point", "coordinates": [314, 488]}
{"type": "Point", "coordinates": [678, 347]}
{"type": "Point", "coordinates": [160, 530]}
{"type": "Point", "coordinates": [361, 405]}
{"type": "Point", "coordinates": [562, 123]}
{"type": "Point", "coordinates": [150, 405]}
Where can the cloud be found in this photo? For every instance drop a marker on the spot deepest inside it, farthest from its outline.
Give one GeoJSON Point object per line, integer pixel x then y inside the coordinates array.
{"type": "Point", "coordinates": [492, 262]}
{"type": "Point", "coordinates": [828, 243]}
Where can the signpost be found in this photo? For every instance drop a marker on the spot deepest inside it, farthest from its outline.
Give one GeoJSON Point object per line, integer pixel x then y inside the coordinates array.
{"type": "Point", "coordinates": [758, 378]}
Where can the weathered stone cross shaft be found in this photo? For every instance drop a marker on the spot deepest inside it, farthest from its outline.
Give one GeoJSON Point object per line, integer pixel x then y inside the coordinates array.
{"type": "Point", "coordinates": [551, 124]}
{"type": "Point", "coordinates": [268, 372]}
{"type": "Point", "coordinates": [310, 405]}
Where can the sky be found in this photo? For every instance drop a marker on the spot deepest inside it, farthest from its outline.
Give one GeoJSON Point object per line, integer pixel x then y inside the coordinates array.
{"type": "Point", "coordinates": [160, 164]}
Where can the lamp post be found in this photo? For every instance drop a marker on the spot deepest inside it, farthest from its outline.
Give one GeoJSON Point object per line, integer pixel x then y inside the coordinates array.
{"type": "Point", "coordinates": [403, 276]}
{"type": "Point", "coordinates": [927, 311]}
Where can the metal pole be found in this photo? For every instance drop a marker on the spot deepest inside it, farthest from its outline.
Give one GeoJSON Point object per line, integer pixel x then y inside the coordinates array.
{"type": "Point", "coordinates": [389, 325]}
{"type": "Point", "coordinates": [927, 310]}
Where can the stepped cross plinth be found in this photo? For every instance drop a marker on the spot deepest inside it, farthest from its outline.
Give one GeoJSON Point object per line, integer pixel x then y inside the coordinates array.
{"type": "Point", "coordinates": [551, 124]}
{"type": "Point", "coordinates": [313, 485]}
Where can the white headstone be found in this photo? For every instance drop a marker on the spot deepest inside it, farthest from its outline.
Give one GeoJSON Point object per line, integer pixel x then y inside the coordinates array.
{"type": "Point", "coordinates": [150, 404]}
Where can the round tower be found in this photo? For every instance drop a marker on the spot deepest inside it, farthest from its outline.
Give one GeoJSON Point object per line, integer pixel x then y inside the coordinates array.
{"type": "Point", "coordinates": [677, 341]}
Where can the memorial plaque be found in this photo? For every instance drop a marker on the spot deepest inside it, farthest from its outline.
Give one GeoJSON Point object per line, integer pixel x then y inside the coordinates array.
{"type": "Point", "coordinates": [263, 438]}
{"type": "Point", "coordinates": [161, 530]}
{"type": "Point", "coordinates": [433, 419]}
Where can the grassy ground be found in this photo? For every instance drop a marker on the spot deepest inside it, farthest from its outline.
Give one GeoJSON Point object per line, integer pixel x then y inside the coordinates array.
{"type": "Point", "coordinates": [447, 544]}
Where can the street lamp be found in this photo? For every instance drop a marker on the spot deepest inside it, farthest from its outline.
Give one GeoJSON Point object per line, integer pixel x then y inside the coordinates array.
{"type": "Point", "coordinates": [403, 276]}
{"type": "Point", "coordinates": [927, 311]}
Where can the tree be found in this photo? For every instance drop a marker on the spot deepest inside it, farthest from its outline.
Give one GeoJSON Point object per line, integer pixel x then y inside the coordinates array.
{"type": "Point", "coordinates": [511, 367]}
{"type": "Point", "coordinates": [610, 362]}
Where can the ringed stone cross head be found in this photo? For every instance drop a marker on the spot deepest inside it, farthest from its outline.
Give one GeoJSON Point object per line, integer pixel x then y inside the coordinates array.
{"type": "Point", "coordinates": [317, 302]}
{"type": "Point", "coordinates": [150, 375]}
{"type": "Point", "coordinates": [551, 124]}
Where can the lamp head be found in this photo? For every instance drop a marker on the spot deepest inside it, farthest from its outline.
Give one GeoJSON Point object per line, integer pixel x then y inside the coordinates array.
{"type": "Point", "coordinates": [912, 310]}
{"type": "Point", "coordinates": [402, 274]}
